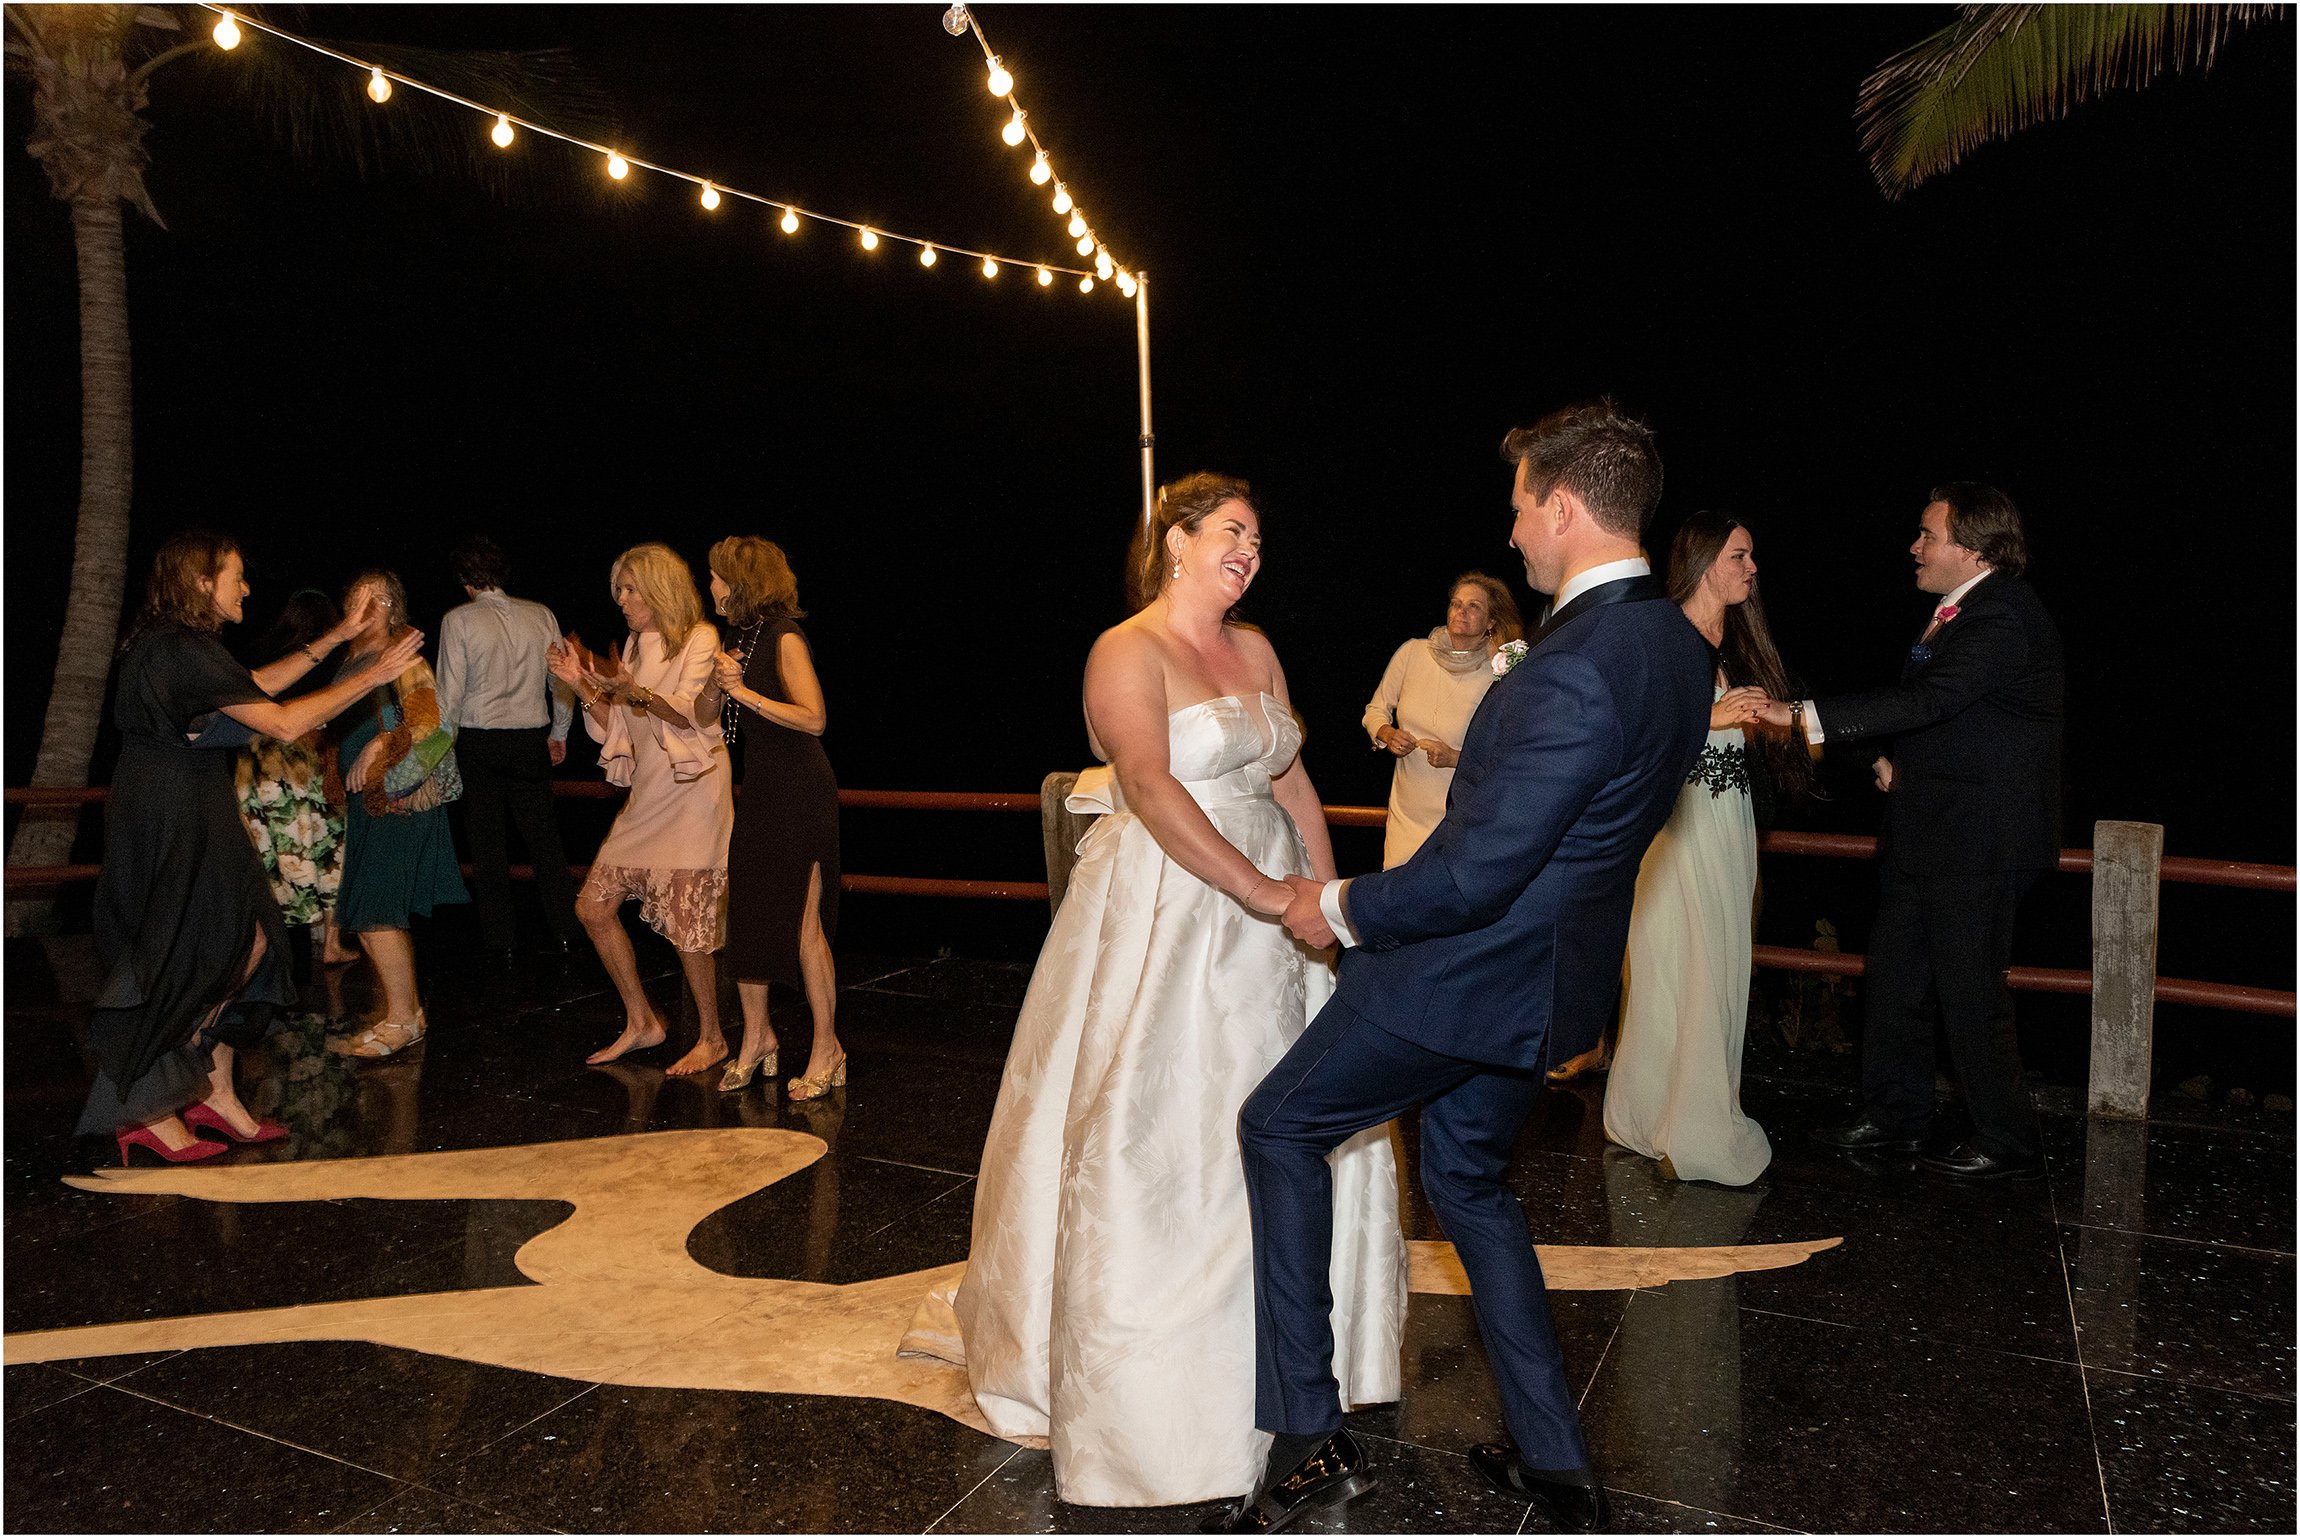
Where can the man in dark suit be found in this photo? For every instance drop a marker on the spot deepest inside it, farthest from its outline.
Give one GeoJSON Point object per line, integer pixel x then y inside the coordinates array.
{"type": "Point", "coordinates": [1491, 954]}
{"type": "Point", "coordinates": [1972, 816]}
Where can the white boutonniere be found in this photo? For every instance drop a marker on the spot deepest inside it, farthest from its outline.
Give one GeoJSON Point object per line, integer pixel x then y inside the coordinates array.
{"type": "Point", "coordinates": [1508, 657]}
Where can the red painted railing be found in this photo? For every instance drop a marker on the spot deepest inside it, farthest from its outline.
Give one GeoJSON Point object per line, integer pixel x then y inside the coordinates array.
{"type": "Point", "coordinates": [30, 880]}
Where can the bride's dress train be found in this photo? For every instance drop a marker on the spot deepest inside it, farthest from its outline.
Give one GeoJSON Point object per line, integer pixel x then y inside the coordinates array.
{"type": "Point", "coordinates": [1108, 1302]}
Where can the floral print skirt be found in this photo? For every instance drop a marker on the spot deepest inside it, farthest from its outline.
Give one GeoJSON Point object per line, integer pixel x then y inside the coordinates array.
{"type": "Point", "coordinates": [299, 837]}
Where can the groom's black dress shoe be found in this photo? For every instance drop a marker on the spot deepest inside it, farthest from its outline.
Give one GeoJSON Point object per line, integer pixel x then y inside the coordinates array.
{"type": "Point", "coordinates": [1335, 1470]}
{"type": "Point", "coordinates": [1866, 1136]}
{"type": "Point", "coordinates": [1571, 1507]}
{"type": "Point", "coordinates": [1965, 1162]}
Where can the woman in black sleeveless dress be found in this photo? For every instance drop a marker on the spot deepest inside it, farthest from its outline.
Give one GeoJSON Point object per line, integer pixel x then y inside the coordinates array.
{"type": "Point", "coordinates": [783, 860]}
{"type": "Point", "coordinates": [188, 933]}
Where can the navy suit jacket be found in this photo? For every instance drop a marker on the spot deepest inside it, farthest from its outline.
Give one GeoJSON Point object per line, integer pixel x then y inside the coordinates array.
{"type": "Point", "coordinates": [1502, 938]}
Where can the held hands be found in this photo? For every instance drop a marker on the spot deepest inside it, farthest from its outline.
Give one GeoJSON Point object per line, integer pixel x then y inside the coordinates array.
{"type": "Point", "coordinates": [1304, 917]}
{"type": "Point", "coordinates": [1745, 706]}
{"type": "Point", "coordinates": [1774, 713]}
{"type": "Point", "coordinates": [1268, 896]}
{"type": "Point", "coordinates": [727, 671]}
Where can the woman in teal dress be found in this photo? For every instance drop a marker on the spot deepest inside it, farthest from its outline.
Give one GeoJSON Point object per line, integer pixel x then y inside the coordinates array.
{"type": "Point", "coordinates": [399, 859]}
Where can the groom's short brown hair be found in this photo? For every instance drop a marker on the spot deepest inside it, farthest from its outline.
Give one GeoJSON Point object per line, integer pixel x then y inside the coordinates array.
{"type": "Point", "coordinates": [1601, 454]}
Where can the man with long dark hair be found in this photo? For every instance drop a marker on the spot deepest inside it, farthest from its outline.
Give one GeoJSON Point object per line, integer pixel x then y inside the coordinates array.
{"type": "Point", "coordinates": [1972, 816]}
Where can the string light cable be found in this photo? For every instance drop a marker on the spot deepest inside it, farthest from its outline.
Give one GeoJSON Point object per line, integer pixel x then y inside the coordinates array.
{"type": "Point", "coordinates": [231, 25]}
{"type": "Point", "coordinates": [959, 21]}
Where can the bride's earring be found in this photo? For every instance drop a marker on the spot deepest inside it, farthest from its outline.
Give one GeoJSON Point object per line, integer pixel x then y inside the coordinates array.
{"type": "Point", "coordinates": [1177, 569]}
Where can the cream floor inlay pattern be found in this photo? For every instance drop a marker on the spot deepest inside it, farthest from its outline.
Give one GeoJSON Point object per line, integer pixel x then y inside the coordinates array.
{"type": "Point", "coordinates": [616, 1298]}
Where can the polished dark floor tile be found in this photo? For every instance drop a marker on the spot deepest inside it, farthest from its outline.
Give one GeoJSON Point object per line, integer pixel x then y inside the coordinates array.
{"type": "Point", "coordinates": [823, 1224]}
{"type": "Point", "coordinates": [663, 1460]}
{"type": "Point", "coordinates": [2181, 1459]}
{"type": "Point", "coordinates": [931, 1114]}
{"type": "Point", "coordinates": [1800, 1424]}
{"type": "Point", "coordinates": [2184, 1183]}
{"type": "Point", "coordinates": [937, 1234]}
{"type": "Point", "coordinates": [907, 1025]}
{"type": "Point", "coordinates": [1450, 1401]}
{"type": "Point", "coordinates": [1642, 1514]}
{"type": "Point", "coordinates": [1019, 1498]}
{"type": "Point", "coordinates": [403, 1413]}
{"type": "Point", "coordinates": [108, 1461]}
{"type": "Point", "coordinates": [959, 980]}
{"type": "Point", "coordinates": [2195, 1313]}
{"type": "Point", "coordinates": [417, 1510]}
{"type": "Point", "coordinates": [28, 1387]}
{"type": "Point", "coordinates": [1889, 1272]}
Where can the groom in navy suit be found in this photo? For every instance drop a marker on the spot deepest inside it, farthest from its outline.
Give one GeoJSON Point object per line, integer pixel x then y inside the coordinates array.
{"type": "Point", "coordinates": [1490, 955]}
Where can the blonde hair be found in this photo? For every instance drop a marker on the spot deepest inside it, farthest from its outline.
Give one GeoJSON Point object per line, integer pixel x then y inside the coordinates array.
{"type": "Point", "coordinates": [663, 579]}
{"type": "Point", "coordinates": [758, 577]}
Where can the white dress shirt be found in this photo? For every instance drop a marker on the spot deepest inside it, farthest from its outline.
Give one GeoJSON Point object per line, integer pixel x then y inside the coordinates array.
{"type": "Point", "coordinates": [1956, 595]}
{"type": "Point", "coordinates": [492, 670]}
{"type": "Point", "coordinates": [1330, 895]}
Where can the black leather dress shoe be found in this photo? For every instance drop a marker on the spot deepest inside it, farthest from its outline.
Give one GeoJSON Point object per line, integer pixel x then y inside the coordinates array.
{"type": "Point", "coordinates": [1571, 1507]}
{"type": "Point", "coordinates": [1866, 1136]}
{"type": "Point", "coordinates": [1334, 1472]}
{"type": "Point", "coordinates": [1966, 1162]}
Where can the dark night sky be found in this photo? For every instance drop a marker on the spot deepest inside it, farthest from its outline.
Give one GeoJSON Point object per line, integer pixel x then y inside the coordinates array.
{"type": "Point", "coordinates": [1377, 238]}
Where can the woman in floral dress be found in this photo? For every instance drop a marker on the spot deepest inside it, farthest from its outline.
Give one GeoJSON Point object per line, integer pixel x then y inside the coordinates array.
{"type": "Point", "coordinates": [296, 826]}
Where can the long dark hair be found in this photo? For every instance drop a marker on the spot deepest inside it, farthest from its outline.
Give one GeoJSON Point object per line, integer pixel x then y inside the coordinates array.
{"type": "Point", "coordinates": [1749, 654]}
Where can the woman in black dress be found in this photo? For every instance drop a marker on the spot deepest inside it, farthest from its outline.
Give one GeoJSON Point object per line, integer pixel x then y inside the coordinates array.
{"type": "Point", "coordinates": [783, 861]}
{"type": "Point", "coordinates": [188, 934]}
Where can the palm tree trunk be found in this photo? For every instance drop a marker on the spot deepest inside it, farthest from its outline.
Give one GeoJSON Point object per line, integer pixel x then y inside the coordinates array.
{"type": "Point", "coordinates": [100, 546]}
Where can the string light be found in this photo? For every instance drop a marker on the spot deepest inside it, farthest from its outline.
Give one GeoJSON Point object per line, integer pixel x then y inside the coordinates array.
{"type": "Point", "coordinates": [1013, 131]}
{"type": "Point", "coordinates": [230, 28]}
{"type": "Point", "coordinates": [1085, 244]}
{"type": "Point", "coordinates": [1000, 81]}
{"type": "Point", "coordinates": [1086, 285]}
{"type": "Point", "coordinates": [1078, 225]}
{"type": "Point", "coordinates": [1126, 284]}
{"type": "Point", "coordinates": [1102, 265]}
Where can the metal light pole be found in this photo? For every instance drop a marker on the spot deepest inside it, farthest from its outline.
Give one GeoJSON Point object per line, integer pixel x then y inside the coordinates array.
{"type": "Point", "coordinates": [1142, 354]}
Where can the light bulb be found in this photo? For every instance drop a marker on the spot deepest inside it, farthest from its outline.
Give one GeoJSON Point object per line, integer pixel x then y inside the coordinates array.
{"type": "Point", "coordinates": [926, 256]}
{"type": "Point", "coordinates": [379, 88]}
{"type": "Point", "coordinates": [1000, 81]}
{"type": "Point", "coordinates": [870, 240]}
{"type": "Point", "coordinates": [1061, 198]}
{"type": "Point", "coordinates": [617, 166]}
{"type": "Point", "coordinates": [710, 196]}
{"type": "Point", "coordinates": [1126, 284]}
{"type": "Point", "coordinates": [502, 134]}
{"type": "Point", "coordinates": [1012, 132]}
{"type": "Point", "coordinates": [1040, 171]}
{"type": "Point", "coordinates": [790, 221]}
{"type": "Point", "coordinates": [1086, 285]}
{"type": "Point", "coordinates": [990, 266]}
{"type": "Point", "coordinates": [1077, 224]}
{"type": "Point", "coordinates": [1044, 277]}
{"type": "Point", "coordinates": [1102, 265]}
{"type": "Point", "coordinates": [1085, 245]}
{"type": "Point", "coordinates": [227, 32]}
{"type": "Point", "coordinates": [954, 21]}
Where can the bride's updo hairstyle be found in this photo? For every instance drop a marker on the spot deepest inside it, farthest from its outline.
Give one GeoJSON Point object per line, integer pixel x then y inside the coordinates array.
{"type": "Point", "coordinates": [1184, 504]}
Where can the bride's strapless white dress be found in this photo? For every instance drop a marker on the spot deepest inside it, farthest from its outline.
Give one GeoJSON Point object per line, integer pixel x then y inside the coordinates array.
{"type": "Point", "coordinates": [1108, 1301]}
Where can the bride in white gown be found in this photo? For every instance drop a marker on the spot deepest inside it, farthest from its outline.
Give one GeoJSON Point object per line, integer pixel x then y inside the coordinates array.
{"type": "Point", "coordinates": [1108, 1303]}
{"type": "Point", "coordinates": [1675, 1093]}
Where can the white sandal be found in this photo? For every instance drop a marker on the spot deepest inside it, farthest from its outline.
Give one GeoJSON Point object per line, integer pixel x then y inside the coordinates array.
{"type": "Point", "coordinates": [374, 1042]}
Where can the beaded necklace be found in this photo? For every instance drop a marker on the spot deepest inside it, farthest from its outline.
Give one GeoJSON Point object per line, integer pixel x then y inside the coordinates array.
{"type": "Point", "coordinates": [731, 713]}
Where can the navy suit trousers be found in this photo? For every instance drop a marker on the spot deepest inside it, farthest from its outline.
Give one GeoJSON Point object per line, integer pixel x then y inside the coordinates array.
{"type": "Point", "coordinates": [1346, 1074]}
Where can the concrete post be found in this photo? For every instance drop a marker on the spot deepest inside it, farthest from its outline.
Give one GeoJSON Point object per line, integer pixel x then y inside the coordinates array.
{"type": "Point", "coordinates": [2126, 857]}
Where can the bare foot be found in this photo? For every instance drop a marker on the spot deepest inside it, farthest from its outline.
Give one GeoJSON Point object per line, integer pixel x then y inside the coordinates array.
{"type": "Point", "coordinates": [700, 1056]}
{"type": "Point", "coordinates": [229, 1108]}
{"type": "Point", "coordinates": [632, 1040]}
{"type": "Point", "coordinates": [171, 1131]}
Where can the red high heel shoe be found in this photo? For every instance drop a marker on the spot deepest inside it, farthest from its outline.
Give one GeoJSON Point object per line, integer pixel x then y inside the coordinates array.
{"type": "Point", "coordinates": [146, 1137]}
{"type": "Point", "coordinates": [266, 1131]}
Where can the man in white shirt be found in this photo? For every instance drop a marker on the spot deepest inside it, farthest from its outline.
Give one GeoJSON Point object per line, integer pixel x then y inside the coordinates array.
{"type": "Point", "coordinates": [495, 693]}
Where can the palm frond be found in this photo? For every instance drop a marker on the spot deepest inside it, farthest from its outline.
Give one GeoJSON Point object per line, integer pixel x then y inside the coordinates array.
{"type": "Point", "coordinates": [319, 109]}
{"type": "Point", "coordinates": [2001, 68]}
